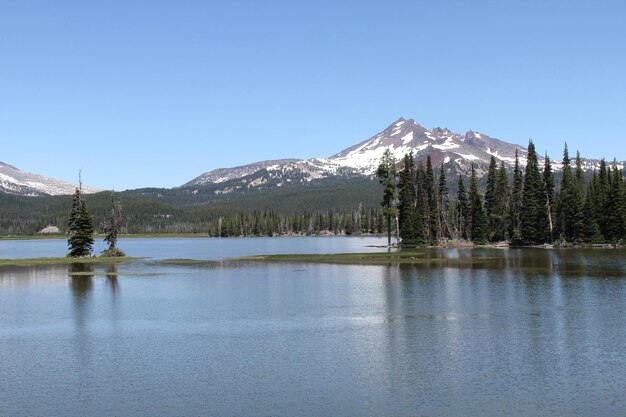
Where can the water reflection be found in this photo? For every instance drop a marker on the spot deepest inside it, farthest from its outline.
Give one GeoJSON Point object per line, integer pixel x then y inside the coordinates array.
{"type": "Point", "coordinates": [518, 333]}
{"type": "Point", "coordinates": [111, 277]}
{"type": "Point", "coordinates": [81, 279]}
{"type": "Point", "coordinates": [81, 285]}
{"type": "Point", "coordinates": [596, 263]}
{"type": "Point", "coordinates": [514, 325]}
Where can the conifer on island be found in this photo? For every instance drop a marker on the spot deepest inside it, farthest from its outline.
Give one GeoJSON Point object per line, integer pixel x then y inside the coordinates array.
{"type": "Point", "coordinates": [111, 228]}
{"type": "Point", "coordinates": [80, 226]}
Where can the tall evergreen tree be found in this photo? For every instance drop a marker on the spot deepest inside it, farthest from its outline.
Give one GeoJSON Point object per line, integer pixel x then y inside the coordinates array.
{"type": "Point", "coordinates": [479, 228]}
{"type": "Point", "coordinates": [591, 229]}
{"type": "Point", "coordinates": [421, 203]}
{"type": "Point", "coordinates": [491, 198]}
{"type": "Point", "coordinates": [580, 173]}
{"type": "Point", "coordinates": [601, 196]}
{"type": "Point", "coordinates": [547, 223]}
{"type": "Point", "coordinates": [570, 208]}
{"type": "Point", "coordinates": [406, 199]}
{"type": "Point", "coordinates": [462, 211]}
{"type": "Point", "coordinates": [386, 174]}
{"type": "Point", "coordinates": [444, 205]}
{"type": "Point", "coordinates": [515, 203]}
{"type": "Point", "coordinates": [533, 201]}
{"type": "Point", "coordinates": [80, 226]}
{"type": "Point", "coordinates": [614, 212]}
{"type": "Point", "coordinates": [501, 212]}
{"type": "Point", "coordinates": [74, 214]}
{"type": "Point", "coordinates": [432, 209]}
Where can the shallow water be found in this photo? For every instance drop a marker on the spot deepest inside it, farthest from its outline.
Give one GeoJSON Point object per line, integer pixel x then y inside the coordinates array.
{"type": "Point", "coordinates": [526, 333]}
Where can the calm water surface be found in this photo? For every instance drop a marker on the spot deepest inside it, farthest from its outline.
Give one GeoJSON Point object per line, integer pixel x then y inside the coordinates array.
{"type": "Point", "coordinates": [526, 333]}
{"type": "Point", "coordinates": [198, 248]}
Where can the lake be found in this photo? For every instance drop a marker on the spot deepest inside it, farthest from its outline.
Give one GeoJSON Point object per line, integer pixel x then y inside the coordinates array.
{"type": "Point", "coordinates": [527, 332]}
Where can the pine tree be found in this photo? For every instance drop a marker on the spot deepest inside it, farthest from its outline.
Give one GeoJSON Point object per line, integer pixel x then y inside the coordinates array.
{"type": "Point", "coordinates": [462, 211]}
{"type": "Point", "coordinates": [591, 230]}
{"type": "Point", "coordinates": [406, 198]}
{"type": "Point", "coordinates": [561, 209]}
{"type": "Point", "coordinates": [570, 208]}
{"type": "Point", "coordinates": [601, 192]}
{"type": "Point", "coordinates": [74, 215]}
{"type": "Point", "coordinates": [421, 204]}
{"type": "Point", "coordinates": [515, 203]}
{"type": "Point", "coordinates": [111, 228]}
{"type": "Point", "coordinates": [501, 213]}
{"type": "Point", "coordinates": [491, 198]}
{"type": "Point", "coordinates": [533, 201]}
{"type": "Point", "coordinates": [444, 204]}
{"type": "Point", "coordinates": [386, 174]}
{"type": "Point", "coordinates": [80, 226]}
{"type": "Point", "coordinates": [432, 209]}
{"type": "Point", "coordinates": [478, 217]}
{"type": "Point", "coordinates": [547, 222]}
{"type": "Point", "coordinates": [580, 174]}
{"type": "Point", "coordinates": [614, 212]}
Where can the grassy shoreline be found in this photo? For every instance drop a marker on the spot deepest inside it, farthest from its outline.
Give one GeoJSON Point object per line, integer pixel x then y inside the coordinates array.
{"type": "Point", "coordinates": [67, 261]}
{"type": "Point", "coordinates": [420, 256]}
{"type": "Point", "coordinates": [165, 236]}
{"type": "Point", "coordinates": [100, 236]}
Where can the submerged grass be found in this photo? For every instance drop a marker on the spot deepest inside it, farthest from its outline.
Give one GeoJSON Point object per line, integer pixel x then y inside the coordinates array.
{"type": "Point", "coordinates": [67, 261]}
{"type": "Point", "coordinates": [113, 274]}
{"type": "Point", "coordinates": [186, 262]}
{"type": "Point", "coordinates": [373, 258]}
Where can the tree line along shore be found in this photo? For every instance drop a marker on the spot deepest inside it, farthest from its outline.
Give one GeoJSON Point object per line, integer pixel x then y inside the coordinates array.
{"type": "Point", "coordinates": [526, 206]}
{"type": "Point", "coordinates": [525, 211]}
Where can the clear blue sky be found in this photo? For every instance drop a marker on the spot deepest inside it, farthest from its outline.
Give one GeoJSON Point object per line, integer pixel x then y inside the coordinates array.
{"type": "Point", "coordinates": [154, 93]}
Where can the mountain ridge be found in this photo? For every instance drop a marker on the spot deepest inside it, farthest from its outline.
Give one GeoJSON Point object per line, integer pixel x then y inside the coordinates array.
{"type": "Point", "coordinates": [15, 181]}
{"type": "Point", "coordinates": [456, 151]}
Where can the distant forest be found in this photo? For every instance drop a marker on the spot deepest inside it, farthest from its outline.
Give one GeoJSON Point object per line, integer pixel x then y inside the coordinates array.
{"type": "Point", "coordinates": [335, 206]}
{"type": "Point", "coordinates": [526, 206]}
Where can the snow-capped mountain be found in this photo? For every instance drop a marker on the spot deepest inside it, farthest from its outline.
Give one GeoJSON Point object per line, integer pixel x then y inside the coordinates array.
{"type": "Point", "coordinates": [456, 151]}
{"type": "Point", "coordinates": [226, 174]}
{"type": "Point", "coordinates": [405, 136]}
{"type": "Point", "coordinates": [16, 181]}
{"type": "Point", "coordinates": [401, 137]}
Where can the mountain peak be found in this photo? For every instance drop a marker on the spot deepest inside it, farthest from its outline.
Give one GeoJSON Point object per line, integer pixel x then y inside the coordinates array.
{"type": "Point", "coordinates": [401, 137]}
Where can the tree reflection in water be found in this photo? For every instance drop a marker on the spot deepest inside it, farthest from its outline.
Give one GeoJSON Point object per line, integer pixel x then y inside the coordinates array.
{"type": "Point", "coordinates": [111, 276]}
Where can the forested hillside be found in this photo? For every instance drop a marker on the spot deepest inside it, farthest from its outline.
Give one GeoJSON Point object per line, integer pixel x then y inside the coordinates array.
{"type": "Point", "coordinates": [335, 205]}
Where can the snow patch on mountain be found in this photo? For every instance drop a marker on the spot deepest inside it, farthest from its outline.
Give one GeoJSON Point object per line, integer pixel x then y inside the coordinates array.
{"type": "Point", "coordinates": [448, 144]}
{"type": "Point", "coordinates": [470, 157]}
{"type": "Point", "coordinates": [16, 181]}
